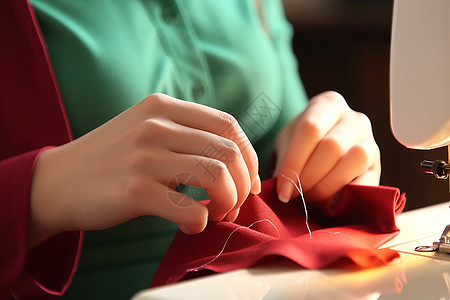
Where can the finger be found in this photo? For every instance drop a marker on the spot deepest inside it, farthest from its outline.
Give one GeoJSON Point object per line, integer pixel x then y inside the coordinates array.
{"type": "Point", "coordinates": [351, 129]}
{"type": "Point", "coordinates": [232, 216]}
{"type": "Point", "coordinates": [214, 177]}
{"type": "Point", "coordinates": [169, 168]}
{"type": "Point", "coordinates": [212, 120]}
{"type": "Point", "coordinates": [159, 200]}
{"type": "Point", "coordinates": [313, 124]}
{"type": "Point", "coordinates": [186, 140]}
{"type": "Point", "coordinates": [356, 162]}
{"type": "Point", "coordinates": [233, 131]}
{"type": "Point", "coordinates": [371, 177]}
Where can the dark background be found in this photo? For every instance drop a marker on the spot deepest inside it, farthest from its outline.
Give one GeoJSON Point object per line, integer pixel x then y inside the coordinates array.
{"type": "Point", "coordinates": [344, 45]}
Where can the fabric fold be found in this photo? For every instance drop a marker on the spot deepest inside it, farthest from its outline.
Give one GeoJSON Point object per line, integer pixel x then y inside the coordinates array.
{"type": "Point", "coordinates": [361, 220]}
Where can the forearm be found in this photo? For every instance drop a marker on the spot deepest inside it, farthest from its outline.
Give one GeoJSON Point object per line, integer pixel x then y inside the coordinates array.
{"type": "Point", "coordinates": [28, 268]}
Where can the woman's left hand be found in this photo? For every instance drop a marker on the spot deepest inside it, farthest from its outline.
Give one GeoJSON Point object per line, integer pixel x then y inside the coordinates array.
{"type": "Point", "coordinates": [326, 147]}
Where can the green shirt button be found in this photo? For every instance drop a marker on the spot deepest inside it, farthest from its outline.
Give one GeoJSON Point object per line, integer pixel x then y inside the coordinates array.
{"type": "Point", "coordinates": [169, 14]}
{"type": "Point", "coordinates": [198, 90]}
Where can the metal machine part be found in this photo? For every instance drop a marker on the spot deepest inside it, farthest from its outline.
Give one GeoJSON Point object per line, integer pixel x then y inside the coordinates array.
{"type": "Point", "coordinates": [442, 246]}
{"type": "Point", "coordinates": [419, 81]}
{"type": "Point", "coordinates": [439, 168]}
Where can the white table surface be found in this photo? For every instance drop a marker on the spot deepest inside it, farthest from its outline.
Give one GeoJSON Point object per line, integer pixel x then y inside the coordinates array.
{"type": "Point", "coordinates": [413, 276]}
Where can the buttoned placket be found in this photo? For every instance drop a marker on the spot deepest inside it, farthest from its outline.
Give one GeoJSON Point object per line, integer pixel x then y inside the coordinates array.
{"type": "Point", "coordinates": [179, 41]}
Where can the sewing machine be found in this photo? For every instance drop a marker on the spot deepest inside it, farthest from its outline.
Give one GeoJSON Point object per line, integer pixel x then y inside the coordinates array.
{"type": "Point", "coordinates": [420, 84]}
{"type": "Point", "coordinates": [420, 118]}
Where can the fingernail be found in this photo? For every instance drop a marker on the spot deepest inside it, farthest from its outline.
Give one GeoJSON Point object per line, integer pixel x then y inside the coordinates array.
{"type": "Point", "coordinates": [218, 218]}
{"type": "Point", "coordinates": [256, 186]}
{"type": "Point", "coordinates": [285, 192]}
{"type": "Point", "coordinates": [185, 229]}
{"type": "Point", "coordinates": [232, 216]}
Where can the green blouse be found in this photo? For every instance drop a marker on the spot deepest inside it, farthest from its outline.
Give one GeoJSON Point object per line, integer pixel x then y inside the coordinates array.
{"type": "Point", "coordinates": [110, 54]}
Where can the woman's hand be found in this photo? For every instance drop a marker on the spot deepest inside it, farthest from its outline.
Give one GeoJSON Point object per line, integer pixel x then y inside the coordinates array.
{"type": "Point", "coordinates": [328, 146]}
{"type": "Point", "coordinates": [130, 167]}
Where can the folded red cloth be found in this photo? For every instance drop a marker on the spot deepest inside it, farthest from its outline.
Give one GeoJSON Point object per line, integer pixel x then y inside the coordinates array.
{"type": "Point", "coordinates": [267, 229]}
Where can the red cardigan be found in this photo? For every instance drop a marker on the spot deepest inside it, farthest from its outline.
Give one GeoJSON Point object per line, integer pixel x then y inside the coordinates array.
{"type": "Point", "coordinates": [32, 116]}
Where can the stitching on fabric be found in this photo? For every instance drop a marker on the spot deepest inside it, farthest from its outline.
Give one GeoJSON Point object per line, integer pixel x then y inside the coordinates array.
{"type": "Point", "coordinates": [226, 242]}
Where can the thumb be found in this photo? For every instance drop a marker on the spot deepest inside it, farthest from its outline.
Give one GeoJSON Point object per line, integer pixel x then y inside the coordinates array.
{"type": "Point", "coordinates": [190, 215]}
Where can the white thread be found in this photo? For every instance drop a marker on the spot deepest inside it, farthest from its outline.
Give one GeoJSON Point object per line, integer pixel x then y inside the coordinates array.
{"type": "Point", "coordinates": [226, 242]}
{"type": "Point", "coordinates": [300, 191]}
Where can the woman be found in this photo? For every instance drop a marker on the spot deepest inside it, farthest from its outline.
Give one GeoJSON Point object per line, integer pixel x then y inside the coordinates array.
{"type": "Point", "coordinates": [121, 68]}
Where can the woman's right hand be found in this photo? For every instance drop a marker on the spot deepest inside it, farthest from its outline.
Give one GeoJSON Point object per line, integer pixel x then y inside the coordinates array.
{"type": "Point", "coordinates": [130, 166]}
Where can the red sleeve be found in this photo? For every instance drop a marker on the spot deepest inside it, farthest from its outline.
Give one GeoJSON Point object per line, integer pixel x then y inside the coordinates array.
{"type": "Point", "coordinates": [32, 116]}
{"type": "Point", "coordinates": [48, 268]}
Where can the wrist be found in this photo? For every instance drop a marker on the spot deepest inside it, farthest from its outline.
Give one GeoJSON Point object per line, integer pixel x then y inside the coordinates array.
{"type": "Point", "coordinates": [41, 226]}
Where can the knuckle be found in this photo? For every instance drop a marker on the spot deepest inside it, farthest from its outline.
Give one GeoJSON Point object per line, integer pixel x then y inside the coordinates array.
{"type": "Point", "coordinates": [151, 101]}
{"type": "Point", "coordinates": [331, 94]}
{"type": "Point", "coordinates": [363, 120]}
{"type": "Point", "coordinates": [332, 100]}
{"type": "Point", "coordinates": [158, 98]}
{"type": "Point", "coordinates": [362, 154]}
{"type": "Point", "coordinates": [220, 166]}
{"type": "Point", "coordinates": [231, 150]}
{"type": "Point", "coordinates": [230, 122]}
{"type": "Point", "coordinates": [333, 145]}
{"type": "Point", "coordinates": [134, 189]}
{"type": "Point", "coordinates": [230, 119]}
{"type": "Point", "coordinates": [151, 128]}
{"type": "Point", "coordinates": [138, 161]}
{"type": "Point", "coordinates": [156, 101]}
{"type": "Point", "coordinates": [310, 128]}
{"type": "Point", "coordinates": [214, 171]}
{"type": "Point", "coordinates": [334, 97]}
{"type": "Point", "coordinates": [221, 170]}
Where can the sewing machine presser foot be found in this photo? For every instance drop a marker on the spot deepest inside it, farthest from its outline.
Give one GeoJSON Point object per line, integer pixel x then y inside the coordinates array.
{"type": "Point", "coordinates": [442, 246]}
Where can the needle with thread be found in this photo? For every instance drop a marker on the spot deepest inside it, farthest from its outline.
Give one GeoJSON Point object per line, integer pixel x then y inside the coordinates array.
{"type": "Point", "coordinates": [300, 191]}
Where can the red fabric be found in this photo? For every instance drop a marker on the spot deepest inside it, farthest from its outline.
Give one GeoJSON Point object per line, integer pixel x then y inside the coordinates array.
{"type": "Point", "coordinates": [31, 117]}
{"type": "Point", "coordinates": [363, 219]}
